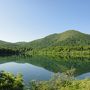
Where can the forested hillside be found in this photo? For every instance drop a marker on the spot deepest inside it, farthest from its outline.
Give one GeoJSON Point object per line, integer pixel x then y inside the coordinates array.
{"type": "Point", "coordinates": [68, 41]}
{"type": "Point", "coordinates": [68, 38]}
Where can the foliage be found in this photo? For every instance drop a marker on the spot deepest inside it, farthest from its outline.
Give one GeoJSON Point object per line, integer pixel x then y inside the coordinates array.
{"type": "Point", "coordinates": [10, 82]}
{"type": "Point", "coordinates": [61, 82]}
{"type": "Point", "coordinates": [72, 51]}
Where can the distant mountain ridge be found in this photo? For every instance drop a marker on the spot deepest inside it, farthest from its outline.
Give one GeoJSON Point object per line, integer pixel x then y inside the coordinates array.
{"type": "Point", "coordinates": [4, 44]}
{"type": "Point", "coordinates": [67, 38]}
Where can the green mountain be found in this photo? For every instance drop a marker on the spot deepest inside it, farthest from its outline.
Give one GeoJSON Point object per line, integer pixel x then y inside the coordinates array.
{"type": "Point", "coordinates": [68, 38]}
{"type": "Point", "coordinates": [4, 44]}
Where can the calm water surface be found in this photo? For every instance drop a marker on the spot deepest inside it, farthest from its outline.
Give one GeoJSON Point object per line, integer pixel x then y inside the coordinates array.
{"type": "Point", "coordinates": [43, 68]}
{"type": "Point", "coordinates": [29, 71]}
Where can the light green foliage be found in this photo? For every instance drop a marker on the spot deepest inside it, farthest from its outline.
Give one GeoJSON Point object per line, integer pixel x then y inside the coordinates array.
{"type": "Point", "coordinates": [73, 51]}
{"type": "Point", "coordinates": [61, 82]}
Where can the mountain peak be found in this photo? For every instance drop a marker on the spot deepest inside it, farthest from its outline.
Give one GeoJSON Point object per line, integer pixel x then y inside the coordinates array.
{"type": "Point", "coordinates": [72, 31]}
{"type": "Point", "coordinates": [70, 37]}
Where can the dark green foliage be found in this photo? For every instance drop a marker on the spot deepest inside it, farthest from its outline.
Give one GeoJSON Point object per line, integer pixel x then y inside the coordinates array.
{"type": "Point", "coordinates": [7, 52]}
{"type": "Point", "coordinates": [7, 49]}
{"type": "Point", "coordinates": [10, 82]}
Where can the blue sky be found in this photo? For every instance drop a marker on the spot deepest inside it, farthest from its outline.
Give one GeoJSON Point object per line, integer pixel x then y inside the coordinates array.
{"type": "Point", "coordinates": [26, 20]}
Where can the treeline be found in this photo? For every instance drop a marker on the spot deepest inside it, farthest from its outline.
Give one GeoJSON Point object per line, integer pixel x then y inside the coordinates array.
{"type": "Point", "coordinates": [63, 51]}
{"type": "Point", "coordinates": [53, 50]}
{"type": "Point", "coordinates": [67, 48]}
{"type": "Point", "coordinates": [8, 51]}
{"type": "Point", "coordinates": [5, 52]}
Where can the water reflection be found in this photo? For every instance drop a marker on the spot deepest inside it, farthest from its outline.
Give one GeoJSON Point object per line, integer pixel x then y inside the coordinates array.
{"type": "Point", "coordinates": [84, 76]}
{"type": "Point", "coordinates": [29, 71]}
{"type": "Point", "coordinates": [42, 67]}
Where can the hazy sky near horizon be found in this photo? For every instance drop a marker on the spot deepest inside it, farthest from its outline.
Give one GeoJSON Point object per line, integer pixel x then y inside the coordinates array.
{"type": "Point", "coordinates": [27, 20]}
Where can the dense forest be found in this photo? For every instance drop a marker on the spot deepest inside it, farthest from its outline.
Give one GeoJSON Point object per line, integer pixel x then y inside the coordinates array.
{"type": "Point", "coordinates": [71, 42]}
{"type": "Point", "coordinates": [72, 51]}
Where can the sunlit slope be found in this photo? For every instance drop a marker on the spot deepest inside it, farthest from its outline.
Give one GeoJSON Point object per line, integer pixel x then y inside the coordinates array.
{"type": "Point", "coordinates": [70, 37]}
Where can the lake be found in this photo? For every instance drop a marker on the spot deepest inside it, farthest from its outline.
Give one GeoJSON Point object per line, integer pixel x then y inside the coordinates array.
{"type": "Point", "coordinates": [44, 67]}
